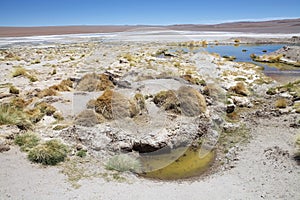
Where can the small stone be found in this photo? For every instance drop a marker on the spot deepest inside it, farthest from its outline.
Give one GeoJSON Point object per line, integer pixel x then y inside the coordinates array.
{"type": "Point", "coordinates": [242, 101]}
{"type": "Point", "coordinates": [230, 108]}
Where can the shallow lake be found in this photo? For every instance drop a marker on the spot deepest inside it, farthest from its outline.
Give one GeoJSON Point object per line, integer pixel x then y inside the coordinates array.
{"type": "Point", "coordinates": [278, 71]}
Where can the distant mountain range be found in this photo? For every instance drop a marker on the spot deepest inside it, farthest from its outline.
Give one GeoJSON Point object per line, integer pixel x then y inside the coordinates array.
{"type": "Point", "coordinates": [275, 26]}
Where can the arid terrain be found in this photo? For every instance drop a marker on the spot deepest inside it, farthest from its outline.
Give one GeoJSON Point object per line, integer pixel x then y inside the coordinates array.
{"type": "Point", "coordinates": [275, 26]}
{"type": "Point", "coordinates": [80, 114]}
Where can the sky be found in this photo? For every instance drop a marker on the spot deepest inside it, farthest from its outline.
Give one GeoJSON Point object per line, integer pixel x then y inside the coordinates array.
{"type": "Point", "coordinates": [141, 12]}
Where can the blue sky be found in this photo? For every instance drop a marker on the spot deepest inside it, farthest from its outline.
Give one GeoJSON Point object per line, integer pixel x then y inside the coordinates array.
{"type": "Point", "coordinates": [132, 12]}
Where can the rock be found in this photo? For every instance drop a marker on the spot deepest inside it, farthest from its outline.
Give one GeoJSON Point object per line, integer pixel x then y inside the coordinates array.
{"type": "Point", "coordinates": [95, 82]}
{"type": "Point", "coordinates": [230, 108]}
{"type": "Point", "coordinates": [3, 146]}
{"type": "Point", "coordinates": [152, 142]}
{"type": "Point", "coordinates": [285, 95]}
{"type": "Point", "coordinates": [47, 121]}
{"type": "Point", "coordinates": [86, 118]}
{"type": "Point", "coordinates": [230, 127]}
{"type": "Point", "coordinates": [242, 101]}
{"type": "Point", "coordinates": [122, 146]}
{"type": "Point", "coordinates": [284, 111]}
{"type": "Point", "coordinates": [9, 131]}
{"type": "Point", "coordinates": [216, 119]}
{"type": "Point", "coordinates": [192, 102]}
{"type": "Point", "coordinates": [95, 138]}
{"type": "Point", "coordinates": [124, 84]}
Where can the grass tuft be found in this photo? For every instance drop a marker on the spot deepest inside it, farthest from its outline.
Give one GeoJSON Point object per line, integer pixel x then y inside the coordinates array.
{"type": "Point", "coordinates": [81, 153]}
{"type": "Point", "coordinates": [48, 153]}
{"type": "Point", "coordinates": [281, 103]}
{"type": "Point", "coordinates": [14, 90]}
{"type": "Point", "coordinates": [12, 116]}
{"type": "Point", "coordinates": [240, 88]}
{"type": "Point", "coordinates": [124, 162]}
{"type": "Point", "coordinates": [19, 71]}
{"type": "Point", "coordinates": [27, 141]}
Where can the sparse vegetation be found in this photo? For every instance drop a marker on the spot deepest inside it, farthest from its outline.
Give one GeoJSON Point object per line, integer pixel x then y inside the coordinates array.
{"type": "Point", "coordinates": [46, 108]}
{"type": "Point", "coordinates": [240, 88]}
{"type": "Point", "coordinates": [47, 92]}
{"type": "Point", "coordinates": [192, 102]}
{"type": "Point", "coordinates": [229, 139]}
{"type": "Point", "coordinates": [267, 58]}
{"type": "Point", "coordinates": [140, 99]}
{"type": "Point", "coordinates": [124, 162]}
{"type": "Point", "coordinates": [36, 61]}
{"type": "Point", "coordinates": [19, 71]}
{"type": "Point", "coordinates": [59, 127]}
{"type": "Point", "coordinates": [281, 103]}
{"type": "Point", "coordinates": [64, 85]}
{"type": "Point", "coordinates": [27, 141]}
{"type": "Point", "coordinates": [186, 100]}
{"type": "Point", "coordinates": [48, 153]}
{"type": "Point", "coordinates": [292, 87]}
{"type": "Point", "coordinates": [53, 72]}
{"type": "Point", "coordinates": [193, 80]}
{"type": "Point", "coordinates": [229, 58]}
{"type": "Point", "coordinates": [297, 149]}
{"type": "Point", "coordinates": [113, 104]}
{"type": "Point", "coordinates": [95, 82]}
{"type": "Point", "coordinates": [14, 90]}
{"type": "Point", "coordinates": [168, 101]}
{"type": "Point", "coordinates": [19, 103]}
{"type": "Point", "coordinates": [81, 153]}
{"type": "Point", "coordinates": [297, 107]}
{"type": "Point", "coordinates": [13, 116]}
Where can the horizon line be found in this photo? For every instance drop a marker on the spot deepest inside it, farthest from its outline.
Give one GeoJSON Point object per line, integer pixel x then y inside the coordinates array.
{"type": "Point", "coordinates": [210, 22]}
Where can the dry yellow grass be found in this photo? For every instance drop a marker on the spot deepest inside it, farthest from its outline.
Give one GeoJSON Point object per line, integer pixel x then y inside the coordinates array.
{"type": "Point", "coordinates": [240, 88]}
{"type": "Point", "coordinates": [115, 105]}
{"type": "Point", "coordinates": [281, 103]}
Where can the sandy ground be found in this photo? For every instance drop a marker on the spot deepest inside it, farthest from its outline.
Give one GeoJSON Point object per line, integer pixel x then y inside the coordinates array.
{"type": "Point", "coordinates": [262, 172]}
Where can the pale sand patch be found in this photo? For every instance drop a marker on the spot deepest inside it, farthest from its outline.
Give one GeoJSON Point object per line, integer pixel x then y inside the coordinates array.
{"type": "Point", "coordinates": [255, 176]}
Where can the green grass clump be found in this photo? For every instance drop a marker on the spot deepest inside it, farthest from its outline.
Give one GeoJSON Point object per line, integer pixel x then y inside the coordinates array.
{"type": "Point", "coordinates": [48, 153]}
{"type": "Point", "coordinates": [27, 141]}
{"type": "Point", "coordinates": [124, 162]}
{"type": "Point", "coordinates": [81, 153]}
{"type": "Point", "coordinates": [9, 115]}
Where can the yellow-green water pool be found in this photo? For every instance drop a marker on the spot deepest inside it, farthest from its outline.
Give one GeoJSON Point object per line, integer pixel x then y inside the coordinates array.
{"type": "Point", "coordinates": [180, 163]}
